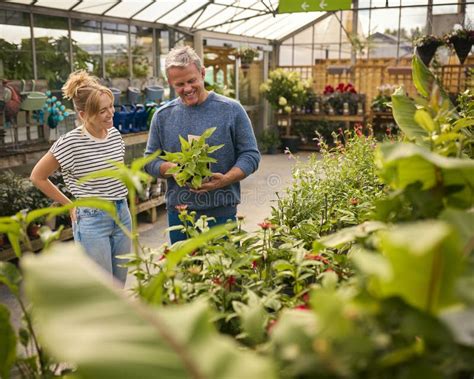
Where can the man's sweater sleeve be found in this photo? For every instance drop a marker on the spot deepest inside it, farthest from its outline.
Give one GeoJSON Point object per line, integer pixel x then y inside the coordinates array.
{"type": "Point", "coordinates": [153, 144]}
{"type": "Point", "coordinates": [248, 156]}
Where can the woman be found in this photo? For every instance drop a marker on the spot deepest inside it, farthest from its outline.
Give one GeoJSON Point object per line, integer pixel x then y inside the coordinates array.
{"type": "Point", "coordinates": [86, 149]}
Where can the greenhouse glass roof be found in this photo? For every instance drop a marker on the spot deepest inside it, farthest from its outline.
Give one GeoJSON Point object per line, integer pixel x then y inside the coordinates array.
{"type": "Point", "coordinates": [249, 18]}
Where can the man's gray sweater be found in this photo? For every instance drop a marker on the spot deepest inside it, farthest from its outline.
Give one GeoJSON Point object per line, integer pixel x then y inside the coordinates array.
{"type": "Point", "coordinates": [233, 129]}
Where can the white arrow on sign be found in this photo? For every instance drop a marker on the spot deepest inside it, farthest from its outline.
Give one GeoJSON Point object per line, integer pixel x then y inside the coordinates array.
{"type": "Point", "coordinates": [322, 4]}
{"type": "Point", "coordinates": [305, 6]}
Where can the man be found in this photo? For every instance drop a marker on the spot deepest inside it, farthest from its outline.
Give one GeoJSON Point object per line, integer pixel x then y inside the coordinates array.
{"type": "Point", "coordinates": [189, 115]}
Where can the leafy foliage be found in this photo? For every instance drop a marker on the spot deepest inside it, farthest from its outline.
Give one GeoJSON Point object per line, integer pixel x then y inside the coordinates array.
{"type": "Point", "coordinates": [332, 191]}
{"type": "Point", "coordinates": [193, 161]}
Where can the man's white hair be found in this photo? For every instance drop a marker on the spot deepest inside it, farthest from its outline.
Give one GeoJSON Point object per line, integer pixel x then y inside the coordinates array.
{"type": "Point", "coordinates": [182, 57]}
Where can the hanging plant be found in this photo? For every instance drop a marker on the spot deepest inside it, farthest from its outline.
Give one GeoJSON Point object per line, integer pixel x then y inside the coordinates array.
{"type": "Point", "coordinates": [461, 40]}
{"type": "Point", "coordinates": [426, 47]}
{"type": "Point", "coordinates": [247, 55]}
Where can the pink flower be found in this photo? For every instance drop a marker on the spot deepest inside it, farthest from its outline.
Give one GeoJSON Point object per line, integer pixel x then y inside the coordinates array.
{"type": "Point", "coordinates": [266, 225]}
{"type": "Point", "coordinates": [181, 207]}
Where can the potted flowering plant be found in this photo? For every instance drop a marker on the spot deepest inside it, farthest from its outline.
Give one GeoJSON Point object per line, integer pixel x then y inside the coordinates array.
{"type": "Point", "coordinates": [461, 40]}
{"type": "Point", "coordinates": [285, 90]}
{"type": "Point", "coordinates": [335, 98]}
{"type": "Point", "coordinates": [426, 47]}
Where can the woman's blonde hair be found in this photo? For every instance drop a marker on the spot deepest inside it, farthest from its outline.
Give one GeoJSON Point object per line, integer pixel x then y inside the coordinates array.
{"type": "Point", "coordinates": [85, 90]}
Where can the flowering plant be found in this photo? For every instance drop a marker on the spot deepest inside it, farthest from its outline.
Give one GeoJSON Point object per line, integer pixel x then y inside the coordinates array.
{"type": "Point", "coordinates": [335, 97]}
{"type": "Point", "coordinates": [428, 40]}
{"type": "Point", "coordinates": [247, 54]}
{"type": "Point", "coordinates": [380, 102]}
{"type": "Point", "coordinates": [285, 90]}
{"type": "Point", "coordinates": [460, 33]}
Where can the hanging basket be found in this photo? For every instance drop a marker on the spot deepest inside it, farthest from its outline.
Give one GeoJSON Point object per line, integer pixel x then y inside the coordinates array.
{"type": "Point", "coordinates": [427, 51]}
{"type": "Point", "coordinates": [462, 47]}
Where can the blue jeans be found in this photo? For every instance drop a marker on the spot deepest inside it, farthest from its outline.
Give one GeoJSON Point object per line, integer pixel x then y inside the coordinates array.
{"type": "Point", "coordinates": [102, 239]}
{"type": "Point", "coordinates": [178, 235]}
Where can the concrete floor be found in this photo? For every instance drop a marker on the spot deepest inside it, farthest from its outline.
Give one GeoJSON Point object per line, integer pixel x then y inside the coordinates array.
{"type": "Point", "coordinates": [258, 195]}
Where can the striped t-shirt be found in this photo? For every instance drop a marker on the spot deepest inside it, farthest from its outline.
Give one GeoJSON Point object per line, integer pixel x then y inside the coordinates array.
{"type": "Point", "coordinates": [80, 154]}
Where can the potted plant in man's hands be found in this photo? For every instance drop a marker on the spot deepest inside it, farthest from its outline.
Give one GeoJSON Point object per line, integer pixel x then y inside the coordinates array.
{"type": "Point", "coordinates": [193, 161]}
{"type": "Point", "coordinates": [461, 40]}
{"type": "Point", "coordinates": [426, 47]}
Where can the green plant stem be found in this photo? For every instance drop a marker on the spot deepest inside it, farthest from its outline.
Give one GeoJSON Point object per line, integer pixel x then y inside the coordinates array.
{"type": "Point", "coordinates": [33, 335]}
{"type": "Point", "coordinates": [132, 194]}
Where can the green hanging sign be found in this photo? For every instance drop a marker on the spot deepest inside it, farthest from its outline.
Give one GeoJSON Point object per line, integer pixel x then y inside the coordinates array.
{"type": "Point", "coordinates": [292, 6]}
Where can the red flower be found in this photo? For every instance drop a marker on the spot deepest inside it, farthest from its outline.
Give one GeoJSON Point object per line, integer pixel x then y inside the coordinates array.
{"type": "Point", "coordinates": [302, 307]}
{"type": "Point", "coordinates": [388, 132]}
{"type": "Point", "coordinates": [266, 225]}
{"type": "Point", "coordinates": [317, 257]}
{"type": "Point", "coordinates": [181, 207]}
{"type": "Point", "coordinates": [328, 89]}
{"type": "Point", "coordinates": [165, 252]}
{"type": "Point", "coordinates": [217, 281]}
{"type": "Point", "coordinates": [230, 281]}
{"type": "Point", "coordinates": [354, 201]}
{"type": "Point", "coordinates": [340, 87]}
{"type": "Point", "coordinates": [254, 265]}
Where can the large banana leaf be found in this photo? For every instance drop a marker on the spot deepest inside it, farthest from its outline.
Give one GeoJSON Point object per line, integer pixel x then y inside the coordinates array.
{"type": "Point", "coordinates": [402, 164]}
{"type": "Point", "coordinates": [404, 109]}
{"type": "Point", "coordinates": [84, 320]}
{"type": "Point", "coordinates": [425, 259]}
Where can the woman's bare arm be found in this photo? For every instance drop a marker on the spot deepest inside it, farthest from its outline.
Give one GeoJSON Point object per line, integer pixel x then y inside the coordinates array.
{"type": "Point", "coordinates": [45, 167]}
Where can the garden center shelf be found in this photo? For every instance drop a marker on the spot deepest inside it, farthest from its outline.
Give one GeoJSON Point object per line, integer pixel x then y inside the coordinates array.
{"type": "Point", "coordinates": [347, 119]}
{"type": "Point", "coordinates": [36, 245]}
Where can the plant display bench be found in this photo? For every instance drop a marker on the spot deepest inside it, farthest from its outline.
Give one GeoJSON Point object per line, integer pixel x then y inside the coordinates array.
{"type": "Point", "coordinates": [150, 206]}
{"type": "Point", "coordinates": [347, 119]}
{"type": "Point", "coordinates": [379, 119]}
{"type": "Point", "coordinates": [36, 244]}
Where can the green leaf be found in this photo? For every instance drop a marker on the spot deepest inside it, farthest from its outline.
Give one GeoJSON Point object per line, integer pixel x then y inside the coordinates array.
{"type": "Point", "coordinates": [207, 133]}
{"type": "Point", "coordinates": [184, 144]}
{"type": "Point", "coordinates": [461, 324]}
{"type": "Point", "coordinates": [347, 235]}
{"type": "Point", "coordinates": [423, 118]}
{"type": "Point", "coordinates": [372, 263]}
{"type": "Point", "coordinates": [10, 276]}
{"type": "Point", "coordinates": [425, 258]}
{"type": "Point", "coordinates": [253, 317]}
{"type": "Point", "coordinates": [196, 182]}
{"type": "Point", "coordinates": [88, 322]}
{"type": "Point", "coordinates": [7, 343]}
{"type": "Point", "coordinates": [214, 148]}
{"type": "Point", "coordinates": [463, 223]}
{"type": "Point", "coordinates": [402, 164]}
{"type": "Point", "coordinates": [404, 114]}
{"type": "Point", "coordinates": [154, 291]}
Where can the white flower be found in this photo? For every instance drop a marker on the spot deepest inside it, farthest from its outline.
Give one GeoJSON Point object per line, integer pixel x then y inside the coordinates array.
{"type": "Point", "coordinates": [287, 109]}
{"type": "Point", "coordinates": [282, 101]}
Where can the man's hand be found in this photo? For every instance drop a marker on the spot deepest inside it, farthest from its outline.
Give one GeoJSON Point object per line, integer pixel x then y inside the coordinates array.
{"type": "Point", "coordinates": [165, 167]}
{"type": "Point", "coordinates": [216, 181]}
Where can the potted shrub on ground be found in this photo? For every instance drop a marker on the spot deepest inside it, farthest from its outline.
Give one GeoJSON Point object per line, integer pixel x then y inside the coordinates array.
{"type": "Point", "coordinates": [461, 40]}
{"type": "Point", "coordinates": [426, 47]}
{"type": "Point", "coordinates": [269, 141]}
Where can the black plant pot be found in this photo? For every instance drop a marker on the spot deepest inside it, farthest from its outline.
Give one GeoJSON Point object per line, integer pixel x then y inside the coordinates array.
{"type": "Point", "coordinates": [462, 47]}
{"type": "Point", "coordinates": [290, 142]}
{"type": "Point", "coordinates": [426, 52]}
